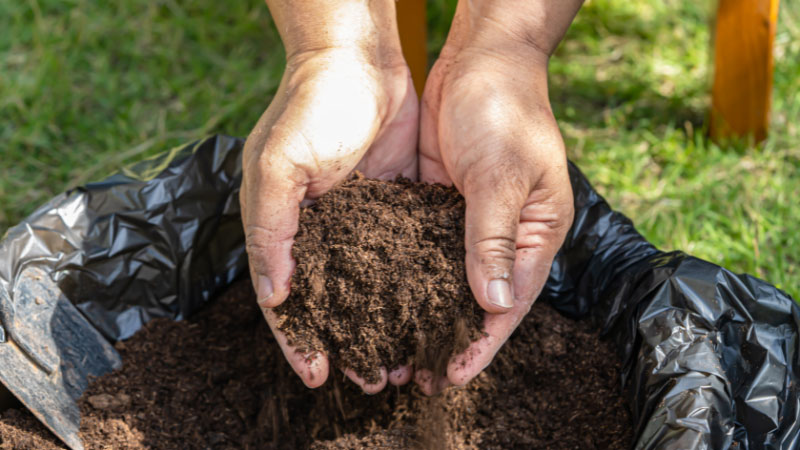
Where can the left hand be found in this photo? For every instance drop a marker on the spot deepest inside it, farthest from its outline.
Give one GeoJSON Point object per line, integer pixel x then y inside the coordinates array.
{"type": "Point", "coordinates": [487, 128]}
{"type": "Point", "coordinates": [345, 102]}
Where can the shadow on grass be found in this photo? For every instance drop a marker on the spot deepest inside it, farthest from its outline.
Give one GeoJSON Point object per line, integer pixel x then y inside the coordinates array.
{"type": "Point", "coordinates": [590, 103]}
{"type": "Point", "coordinates": [630, 65]}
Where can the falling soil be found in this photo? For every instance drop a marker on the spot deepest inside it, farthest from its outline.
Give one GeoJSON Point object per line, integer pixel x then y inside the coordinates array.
{"type": "Point", "coordinates": [219, 381]}
{"type": "Point", "coordinates": [380, 278]}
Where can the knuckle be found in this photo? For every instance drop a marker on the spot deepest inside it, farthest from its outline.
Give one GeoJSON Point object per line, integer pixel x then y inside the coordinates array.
{"type": "Point", "coordinates": [256, 256]}
{"type": "Point", "coordinates": [258, 239]}
{"type": "Point", "coordinates": [496, 244]}
{"type": "Point", "coordinates": [560, 222]}
{"type": "Point", "coordinates": [253, 248]}
{"type": "Point", "coordinates": [258, 233]}
{"type": "Point", "coordinates": [496, 253]}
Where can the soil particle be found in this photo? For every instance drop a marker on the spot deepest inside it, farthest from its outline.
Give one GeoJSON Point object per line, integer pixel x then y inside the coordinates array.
{"type": "Point", "coordinates": [380, 278]}
{"type": "Point", "coordinates": [108, 401]}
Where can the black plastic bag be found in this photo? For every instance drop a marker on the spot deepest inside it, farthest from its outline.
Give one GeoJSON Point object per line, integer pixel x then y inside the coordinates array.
{"type": "Point", "coordinates": [710, 357]}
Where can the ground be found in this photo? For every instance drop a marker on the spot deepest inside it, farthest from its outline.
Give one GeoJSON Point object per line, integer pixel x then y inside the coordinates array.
{"type": "Point", "coordinates": [89, 86]}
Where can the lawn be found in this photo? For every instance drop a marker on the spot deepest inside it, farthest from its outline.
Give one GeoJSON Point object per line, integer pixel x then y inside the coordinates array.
{"type": "Point", "coordinates": [88, 86]}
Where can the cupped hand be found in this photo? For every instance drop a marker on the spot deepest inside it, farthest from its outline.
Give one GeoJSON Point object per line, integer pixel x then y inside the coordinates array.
{"type": "Point", "coordinates": [487, 128]}
{"type": "Point", "coordinates": [336, 110]}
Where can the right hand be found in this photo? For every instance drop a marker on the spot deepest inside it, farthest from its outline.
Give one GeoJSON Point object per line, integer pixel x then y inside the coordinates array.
{"type": "Point", "coordinates": [502, 149]}
{"type": "Point", "coordinates": [337, 109]}
{"type": "Point", "coordinates": [487, 127]}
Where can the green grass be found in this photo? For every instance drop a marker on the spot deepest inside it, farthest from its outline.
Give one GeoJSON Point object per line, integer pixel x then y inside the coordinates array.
{"type": "Point", "coordinates": [630, 87]}
{"type": "Point", "coordinates": [86, 87]}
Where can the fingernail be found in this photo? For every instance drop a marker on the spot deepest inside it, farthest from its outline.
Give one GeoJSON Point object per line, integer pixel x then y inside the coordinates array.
{"type": "Point", "coordinates": [499, 293]}
{"type": "Point", "coordinates": [264, 289]}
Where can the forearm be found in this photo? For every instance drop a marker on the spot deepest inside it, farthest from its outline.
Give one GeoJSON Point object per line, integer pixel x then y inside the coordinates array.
{"type": "Point", "coordinates": [367, 26]}
{"type": "Point", "coordinates": [517, 29]}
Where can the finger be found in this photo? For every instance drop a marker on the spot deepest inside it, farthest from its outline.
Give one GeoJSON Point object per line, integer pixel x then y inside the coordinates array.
{"type": "Point", "coordinates": [271, 195]}
{"type": "Point", "coordinates": [429, 383]}
{"type": "Point", "coordinates": [400, 375]}
{"type": "Point", "coordinates": [426, 381]}
{"type": "Point", "coordinates": [544, 222]}
{"type": "Point", "coordinates": [443, 383]}
{"type": "Point", "coordinates": [311, 367]}
{"type": "Point", "coordinates": [495, 194]}
{"type": "Point", "coordinates": [368, 388]}
{"type": "Point", "coordinates": [497, 327]}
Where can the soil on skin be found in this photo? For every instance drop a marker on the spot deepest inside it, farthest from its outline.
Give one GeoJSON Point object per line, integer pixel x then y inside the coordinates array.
{"type": "Point", "coordinates": [219, 381]}
{"type": "Point", "coordinates": [380, 278]}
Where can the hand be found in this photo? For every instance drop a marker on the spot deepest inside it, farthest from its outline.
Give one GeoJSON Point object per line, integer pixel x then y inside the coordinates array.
{"type": "Point", "coordinates": [487, 127]}
{"type": "Point", "coordinates": [337, 109]}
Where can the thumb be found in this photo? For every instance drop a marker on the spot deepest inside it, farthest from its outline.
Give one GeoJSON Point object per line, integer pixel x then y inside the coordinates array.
{"type": "Point", "coordinates": [494, 200]}
{"type": "Point", "coordinates": [270, 200]}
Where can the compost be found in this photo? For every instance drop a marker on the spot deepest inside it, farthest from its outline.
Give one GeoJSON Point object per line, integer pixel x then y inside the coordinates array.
{"type": "Point", "coordinates": [380, 278]}
{"type": "Point", "coordinates": [219, 380]}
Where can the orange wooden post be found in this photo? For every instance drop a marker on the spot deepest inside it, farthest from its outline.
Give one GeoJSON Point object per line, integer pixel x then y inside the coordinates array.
{"type": "Point", "coordinates": [740, 97]}
{"type": "Point", "coordinates": [412, 23]}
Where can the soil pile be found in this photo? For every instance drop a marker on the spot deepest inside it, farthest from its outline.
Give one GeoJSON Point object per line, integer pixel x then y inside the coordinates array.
{"type": "Point", "coordinates": [380, 282]}
{"type": "Point", "coordinates": [380, 278]}
{"type": "Point", "coordinates": [19, 430]}
{"type": "Point", "coordinates": [219, 381]}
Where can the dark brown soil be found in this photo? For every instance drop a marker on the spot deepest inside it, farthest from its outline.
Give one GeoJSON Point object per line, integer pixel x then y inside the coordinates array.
{"type": "Point", "coordinates": [20, 430]}
{"type": "Point", "coordinates": [380, 278]}
{"type": "Point", "coordinates": [220, 381]}
{"type": "Point", "coordinates": [380, 282]}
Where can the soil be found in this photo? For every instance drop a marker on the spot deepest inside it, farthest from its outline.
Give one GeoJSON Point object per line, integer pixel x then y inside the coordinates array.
{"type": "Point", "coordinates": [219, 381]}
{"type": "Point", "coordinates": [380, 278]}
{"type": "Point", "coordinates": [367, 254]}
{"type": "Point", "coordinates": [20, 430]}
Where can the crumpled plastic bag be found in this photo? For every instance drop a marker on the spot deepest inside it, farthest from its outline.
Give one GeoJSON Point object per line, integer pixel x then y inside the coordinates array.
{"type": "Point", "coordinates": [710, 358]}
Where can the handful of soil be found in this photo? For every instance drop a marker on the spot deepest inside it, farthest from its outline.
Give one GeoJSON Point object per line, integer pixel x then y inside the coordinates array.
{"type": "Point", "coordinates": [380, 278]}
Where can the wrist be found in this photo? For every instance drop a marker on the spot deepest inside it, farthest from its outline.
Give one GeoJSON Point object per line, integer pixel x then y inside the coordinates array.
{"type": "Point", "coordinates": [366, 29]}
{"type": "Point", "coordinates": [506, 67]}
{"type": "Point", "coordinates": [525, 32]}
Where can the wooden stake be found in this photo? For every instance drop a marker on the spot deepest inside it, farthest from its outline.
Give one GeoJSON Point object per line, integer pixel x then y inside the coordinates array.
{"type": "Point", "coordinates": [740, 97]}
{"type": "Point", "coordinates": [412, 23]}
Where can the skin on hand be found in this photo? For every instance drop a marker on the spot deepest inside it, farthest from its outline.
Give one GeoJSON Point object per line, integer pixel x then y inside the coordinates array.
{"type": "Point", "coordinates": [487, 128]}
{"type": "Point", "coordinates": [346, 101]}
